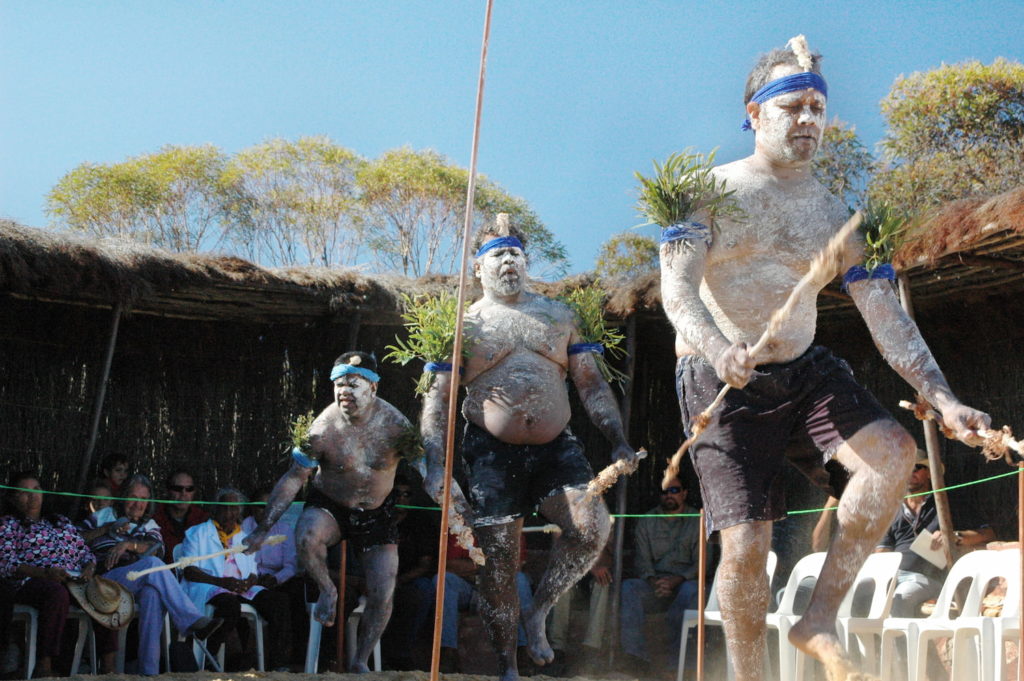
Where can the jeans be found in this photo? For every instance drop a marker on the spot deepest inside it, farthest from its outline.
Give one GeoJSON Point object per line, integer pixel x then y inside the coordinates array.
{"type": "Point", "coordinates": [460, 594]}
{"type": "Point", "coordinates": [638, 599]}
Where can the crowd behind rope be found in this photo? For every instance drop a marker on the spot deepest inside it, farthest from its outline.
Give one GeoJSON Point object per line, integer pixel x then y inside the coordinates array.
{"type": "Point", "coordinates": [49, 562]}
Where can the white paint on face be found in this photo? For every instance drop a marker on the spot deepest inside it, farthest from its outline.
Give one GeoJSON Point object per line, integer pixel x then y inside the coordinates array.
{"type": "Point", "coordinates": [353, 394]}
{"type": "Point", "coordinates": [789, 127]}
{"type": "Point", "coordinates": [501, 271]}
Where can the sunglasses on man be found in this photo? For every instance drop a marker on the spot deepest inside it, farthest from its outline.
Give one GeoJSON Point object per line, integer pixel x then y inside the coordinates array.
{"type": "Point", "coordinates": [674, 489]}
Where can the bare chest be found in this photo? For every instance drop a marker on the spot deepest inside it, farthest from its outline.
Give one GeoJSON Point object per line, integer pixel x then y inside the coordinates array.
{"type": "Point", "coordinates": [499, 332]}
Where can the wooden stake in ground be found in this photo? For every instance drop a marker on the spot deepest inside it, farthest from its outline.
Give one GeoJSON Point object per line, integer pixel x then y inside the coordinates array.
{"type": "Point", "coordinates": [701, 587]}
{"type": "Point", "coordinates": [339, 618]}
{"type": "Point", "coordinates": [827, 261]}
{"type": "Point", "coordinates": [453, 397]}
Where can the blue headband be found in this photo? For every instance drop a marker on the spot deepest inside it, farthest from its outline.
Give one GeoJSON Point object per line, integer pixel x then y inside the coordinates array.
{"type": "Point", "coordinates": [791, 83]}
{"type": "Point", "coordinates": [340, 370]}
{"type": "Point", "coordinates": [500, 242]}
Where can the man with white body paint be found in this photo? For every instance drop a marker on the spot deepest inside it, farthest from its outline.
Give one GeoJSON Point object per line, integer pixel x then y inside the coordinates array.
{"type": "Point", "coordinates": [799, 403]}
{"type": "Point", "coordinates": [354, 451]}
{"type": "Point", "coordinates": [518, 450]}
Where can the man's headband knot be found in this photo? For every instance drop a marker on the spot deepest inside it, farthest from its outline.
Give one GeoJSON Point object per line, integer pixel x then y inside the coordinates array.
{"type": "Point", "coordinates": [500, 242]}
{"type": "Point", "coordinates": [791, 83]}
{"type": "Point", "coordinates": [340, 370]}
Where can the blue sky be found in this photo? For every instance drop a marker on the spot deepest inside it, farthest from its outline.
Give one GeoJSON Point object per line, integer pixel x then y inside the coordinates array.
{"type": "Point", "coordinates": [579, 94]}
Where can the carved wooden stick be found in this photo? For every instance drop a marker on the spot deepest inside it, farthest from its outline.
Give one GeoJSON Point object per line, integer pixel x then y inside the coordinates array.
{"type": "Point", "coordinates": [191, 560]}
{"type": "Point", "coordinates": [825, 262]}
{"type": "Point", "coordinates": [607, 477]}
{"type": "Point", "coordinates": [997, 444]}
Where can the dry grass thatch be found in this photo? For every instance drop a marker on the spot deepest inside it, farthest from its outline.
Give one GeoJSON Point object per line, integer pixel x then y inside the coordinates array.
{"type": "Point", "coordinates": [960, 225]}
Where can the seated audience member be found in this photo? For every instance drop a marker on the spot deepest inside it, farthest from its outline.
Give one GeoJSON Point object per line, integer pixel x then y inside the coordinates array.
{"type": "Point", "coordinates": [100, 510]}
{"type": "Point", "coordinates": [39, 554]}
{"type": "Point", "coordinates": [666, 551]}
{"type": "Point", "coordinates": [114, 470]}
{"type": "Point", "coordinates": [460, 594]}
{"type": "Point", "coordinates": [133, 543]}
{"type": "Point", "coordinates": [277, 564]}
{"type": "Point", "coordinates": [417, 556]}
{"type": "Point", "coordinates": [918, 579]}
{"type": "Point", "coordinates": [176, 518]}
{"type": "Point", "coordinates": [226, 582]}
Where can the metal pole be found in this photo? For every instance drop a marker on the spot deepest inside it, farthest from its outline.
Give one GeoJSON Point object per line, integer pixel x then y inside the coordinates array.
{"type": "Point", "coordinates": [339, 620]}
{"type": "Point", "coordinates": [932, 446]}
{"type": "Point", "coordinates": [453, 396]}
{"type": "Point", "coordinates": [97, 409]}
{"type": "Point", "coordinates": [622, 488]}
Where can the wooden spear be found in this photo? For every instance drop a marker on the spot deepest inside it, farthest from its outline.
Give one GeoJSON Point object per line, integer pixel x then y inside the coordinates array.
{"type": "Point", "coordinates": [453, 396]}
{"type": "Point", "coordinates": [191, 560]}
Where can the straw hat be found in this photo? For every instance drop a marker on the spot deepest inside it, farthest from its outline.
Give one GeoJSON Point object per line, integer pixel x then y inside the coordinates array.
{"type": "Point", "coordinates": [105, 600]}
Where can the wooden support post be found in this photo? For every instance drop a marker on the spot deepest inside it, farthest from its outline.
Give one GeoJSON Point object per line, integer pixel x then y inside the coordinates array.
{"type": "Point", "coordinates": [931, 443]}
{"type": "Point", "coordinates": [340, 619]}
{"type": "Point", "coordinates": [702, 576]}
{"type": "Point", "coordinates": [97, 410]}
{"type": "Point", "coordinates": [1020, 545]}
{"type": "Point", "coordinates": [622, 488]}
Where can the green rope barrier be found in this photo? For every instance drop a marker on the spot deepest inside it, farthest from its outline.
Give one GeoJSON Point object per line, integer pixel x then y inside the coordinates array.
{"type": "Point", "coordinates": [437, 508]}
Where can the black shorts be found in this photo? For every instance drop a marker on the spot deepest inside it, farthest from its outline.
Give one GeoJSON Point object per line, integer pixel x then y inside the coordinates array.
{"type": "Point", "coordinates": [800, 412]}
{"type": "Point", "coordinates": [365, 529]}
{"type": "Point", "coordinates": [506, 482]}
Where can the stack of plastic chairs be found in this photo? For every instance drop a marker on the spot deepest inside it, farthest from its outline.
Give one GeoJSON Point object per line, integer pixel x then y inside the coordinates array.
{"type": "Point", "coordinates": [978, 641]}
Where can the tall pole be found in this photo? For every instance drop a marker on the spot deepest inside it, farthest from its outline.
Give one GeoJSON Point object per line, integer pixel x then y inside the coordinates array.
{"type": "Point", "coordinates": [339, 619]}
{"type": "Point", "coordinates": [453, 396]}
{"type": "Point", "coordinates": [931, 443]}
{"type": "Point", "coordinates": [702, 576]}
{"type": "Point", "coordinates": [1020, 548]}
{"type": "Point", "coordinates": [622, 489]}
{"type": "Point", "coordinates": [97, 408]}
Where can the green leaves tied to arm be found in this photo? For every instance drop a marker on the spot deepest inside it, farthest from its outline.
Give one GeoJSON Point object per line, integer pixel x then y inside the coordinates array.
{"type": "Point", "coordinates": [430, 326]}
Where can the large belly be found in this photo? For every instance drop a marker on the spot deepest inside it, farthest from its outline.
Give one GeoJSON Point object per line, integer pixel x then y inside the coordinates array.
{"type": "Point", "coordinates": [366, 489]}
{"type": "Point", "coordinates": [522, 400]}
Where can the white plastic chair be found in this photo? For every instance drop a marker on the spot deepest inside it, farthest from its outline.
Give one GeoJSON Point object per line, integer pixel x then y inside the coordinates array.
{"type": "Point", "coordinates": [782, 620]}
{"type": "Point", "coordinates": [880, 570]}
{"type": "Point", "coordinates": [351, 639]}
{"type": "Point", "coordinates": [85, 633]}
{"type": "Point", "coordinates": [30, 616]}
{"type": "Point", "coordinates": [978, 640]}
{"type": "Point", "coordinates": [971, 567]}
{"type": "Point", "coordinates": [712, 614]}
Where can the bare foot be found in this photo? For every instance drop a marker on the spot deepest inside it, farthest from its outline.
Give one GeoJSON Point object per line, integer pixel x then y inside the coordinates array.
{"type": "Point", "coordinates": [537, 640]}
{"type": "Point", "coordinates": [359, 668]}
{"type": "Point", "coordinates": [822, 644]}
{"type": "Point", "coordinates": [325, 607]}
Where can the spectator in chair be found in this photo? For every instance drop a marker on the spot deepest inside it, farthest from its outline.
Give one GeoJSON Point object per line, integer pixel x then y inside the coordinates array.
{"type": "Point", "coordinates": [666, 552]}
{"type": "Point", "coordinates": [133, 543]}
{"type": "Point", "coordinates": [175, 519]}
{"type": "Point", "coordinates": [226, 582]}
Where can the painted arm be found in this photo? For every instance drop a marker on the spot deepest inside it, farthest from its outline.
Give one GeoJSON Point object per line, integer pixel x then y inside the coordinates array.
{"type": "Point", "coordinates": [682, 268]}
{"type": "Point", "coordinates": [433, 428]}
{"type": "Point", "coordinates": [599, 402]}
{"type": "Point", "coordinates": [898, 339]}
{"type": "Point", "coordinates": [278, 502]}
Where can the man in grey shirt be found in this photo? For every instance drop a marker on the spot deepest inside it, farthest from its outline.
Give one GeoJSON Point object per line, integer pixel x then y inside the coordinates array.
{"type": "Point", "coordinates": [666, 566]}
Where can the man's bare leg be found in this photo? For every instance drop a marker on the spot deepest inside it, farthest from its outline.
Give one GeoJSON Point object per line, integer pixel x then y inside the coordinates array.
{"type": "Point", "coordinates": [316, 530]}
{"type": "Point", "coordinates": [499, 602]}
{"type": "Point", "coordinates": [380, 565]}
{"type": "Point", "coordinates": [879, 458]}
{"type": "Point", "coordinates": [743, 594]}
{"type": "Point", "coordinates": [585, 524]}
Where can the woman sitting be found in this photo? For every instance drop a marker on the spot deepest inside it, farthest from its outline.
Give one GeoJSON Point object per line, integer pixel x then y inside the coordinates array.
{"type": "Point", "coordinates": [225, 582]}
{"type": "Point", "coordinates": [133, 543]}
{"type": "Point", "coordinates": [38, 555]}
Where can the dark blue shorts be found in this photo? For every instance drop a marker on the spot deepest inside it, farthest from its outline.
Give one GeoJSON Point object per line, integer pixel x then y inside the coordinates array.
{"type": "Point", "coordinates": [506, 482]}
{"type": "Point", "coordinates": [365, 529]}
{"type": "Point", "coordinates": [798, 412]}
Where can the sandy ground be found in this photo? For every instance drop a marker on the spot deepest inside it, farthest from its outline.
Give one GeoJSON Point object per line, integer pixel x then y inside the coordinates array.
{"type": "Point", "coordinates": [323, 676]}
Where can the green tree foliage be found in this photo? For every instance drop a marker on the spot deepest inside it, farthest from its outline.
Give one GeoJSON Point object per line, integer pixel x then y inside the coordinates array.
{"type": "Point", "coordinates": [843, 164]}
{"type": "Point", "coordinates": [171, 198]}
{"type": "Point", "coordinates": [296, 202]}
{"type": "Point", "coordinates": [416, 202]}
{"type": "Point", "coordinates": [954, 131]}
{"type": "Point", "coordinates": [626, 256]}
